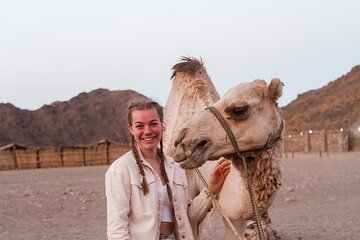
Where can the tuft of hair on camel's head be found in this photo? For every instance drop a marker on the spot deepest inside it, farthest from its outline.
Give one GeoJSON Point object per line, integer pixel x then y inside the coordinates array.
{"type": "Point", "coordinates": [189, 65]}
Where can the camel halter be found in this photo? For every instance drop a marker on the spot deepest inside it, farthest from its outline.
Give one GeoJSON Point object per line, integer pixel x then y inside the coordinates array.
{"type": "Point", "coordinates": [272, 139]}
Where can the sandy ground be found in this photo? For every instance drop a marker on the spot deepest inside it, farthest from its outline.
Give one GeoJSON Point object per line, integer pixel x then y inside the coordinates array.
{"type": "Point", "coordinates": [320, 199]}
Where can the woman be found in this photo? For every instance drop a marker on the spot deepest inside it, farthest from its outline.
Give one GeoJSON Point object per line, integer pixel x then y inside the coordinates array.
{"type": "Point", "coordinates": [147, 191]}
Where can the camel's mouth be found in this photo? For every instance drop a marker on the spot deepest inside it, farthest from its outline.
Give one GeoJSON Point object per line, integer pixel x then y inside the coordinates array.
{"type": "Point", "coordinates": [248, 155]}
{"type": "Point", "coordinates": [192, 154]}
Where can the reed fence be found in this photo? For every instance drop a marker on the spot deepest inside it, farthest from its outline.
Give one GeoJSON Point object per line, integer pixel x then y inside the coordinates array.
{"type": "Point", "coordinates": [15, 156]}
{"type": "Point", "coordinates": [324, 141]}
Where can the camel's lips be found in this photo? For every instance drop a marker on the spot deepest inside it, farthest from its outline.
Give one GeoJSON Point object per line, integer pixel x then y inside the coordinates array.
{"type": "Point", "coordinates": [195, 156]}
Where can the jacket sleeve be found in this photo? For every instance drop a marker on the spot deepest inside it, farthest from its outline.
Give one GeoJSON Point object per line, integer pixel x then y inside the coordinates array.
{"type": "Point", "coordinates": [117, 186]}
{"type": "Point", "coordinates": [199, 206]}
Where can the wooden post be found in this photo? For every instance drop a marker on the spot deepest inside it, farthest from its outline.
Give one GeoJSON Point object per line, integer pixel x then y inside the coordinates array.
{"type": "Point", "coordinates": [61, 157]}
{"type": "Point", "coordinates": [107, 152]}
{"type": "Point", "coordinates": [343, 140]}
{"type": "Point", "coordinates": [38, 165]}
{"type": "Point", "coordinates": [309, 141]}
{"type": "Point", "coordinates": [15, 157]}
{"type": "Point", "coordinates": [84, 156]}
{"type": "Point", "coordinates": [326, 145]}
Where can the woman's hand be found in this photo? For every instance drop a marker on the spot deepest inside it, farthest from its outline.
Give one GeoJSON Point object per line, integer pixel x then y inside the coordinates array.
{"type": "Point", "coordinates": [218, 175]}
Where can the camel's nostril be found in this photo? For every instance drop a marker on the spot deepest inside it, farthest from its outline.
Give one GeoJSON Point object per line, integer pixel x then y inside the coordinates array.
{"type": "Point", "coordinates": [176, 142]}
{"type": "Point", "coordinates": [181, 136]}
{"type": "Point", "coordinates": [202, 143]}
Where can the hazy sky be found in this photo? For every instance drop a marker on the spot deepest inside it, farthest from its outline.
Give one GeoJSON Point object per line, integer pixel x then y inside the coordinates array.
{"type": "Point", "coordinates": [54, 50]}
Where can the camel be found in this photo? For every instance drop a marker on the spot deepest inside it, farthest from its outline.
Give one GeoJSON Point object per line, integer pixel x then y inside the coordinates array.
{"type": "Point", "coordinates": [194, 134]}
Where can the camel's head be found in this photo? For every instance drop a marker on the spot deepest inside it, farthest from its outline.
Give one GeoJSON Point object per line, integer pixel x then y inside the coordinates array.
{"type": "Point", "coordinates": [251, 111]}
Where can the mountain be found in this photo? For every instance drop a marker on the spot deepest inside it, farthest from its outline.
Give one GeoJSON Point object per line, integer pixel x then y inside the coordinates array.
{"type": "Point", "coordinates": [334, 106]}
{"type": "Point", "coordinates": [101, 114]}
{"type": "Point", "coordinates": [84, 119]}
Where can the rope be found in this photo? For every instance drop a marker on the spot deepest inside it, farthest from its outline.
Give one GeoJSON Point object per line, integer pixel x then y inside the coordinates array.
{"type": "Point", "coordinates": [231, 136]}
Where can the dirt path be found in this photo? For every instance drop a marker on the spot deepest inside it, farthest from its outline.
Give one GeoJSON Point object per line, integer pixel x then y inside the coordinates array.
{"type": "Point", "coordinates": [320, 200]}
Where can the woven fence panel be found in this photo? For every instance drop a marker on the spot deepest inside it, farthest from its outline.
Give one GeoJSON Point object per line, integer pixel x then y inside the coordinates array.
{"type": "Point", "coordinates": [354, 140]}
{"type": "Point", "coordinates": [26, 158]}
{"type": "Point", "coordinates": [96, 154]}
{"type": "Point", "coordinates": [7, 160]}
{"type": "Point", "coordinates": [317, 141]}
{"type": "Point", "coordinates": [116, 150]}
{"type": "Point", "coordinates": [295, 143]}
{"type": "Point", "coordinates": [73, 156]}
{"type": "Point", "coordinates": [50, 157]}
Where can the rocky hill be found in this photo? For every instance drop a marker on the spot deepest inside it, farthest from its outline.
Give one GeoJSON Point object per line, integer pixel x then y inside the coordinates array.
{"type": "Point", "coordinates": [84, 119]}
{"type": "Point", "coordinates": [101, 114]}
{"type": "Point", "coordinates": [334, 106]}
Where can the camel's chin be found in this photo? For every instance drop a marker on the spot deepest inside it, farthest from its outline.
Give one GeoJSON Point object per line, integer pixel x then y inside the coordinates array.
{"type": "Point", "coordinates": [189, 163]}
{"type": "Point", "coordinates": [186, 165]}
{"type": "Point", "coordinates": [188, 160]}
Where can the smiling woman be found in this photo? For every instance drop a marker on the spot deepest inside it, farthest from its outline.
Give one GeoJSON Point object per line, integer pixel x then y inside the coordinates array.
{"type": "Point", "coordinates": [147, 196]}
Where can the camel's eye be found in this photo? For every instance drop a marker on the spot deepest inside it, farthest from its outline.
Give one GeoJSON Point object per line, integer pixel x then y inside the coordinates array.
{"type": "Point", "coordinates": [238, 113]}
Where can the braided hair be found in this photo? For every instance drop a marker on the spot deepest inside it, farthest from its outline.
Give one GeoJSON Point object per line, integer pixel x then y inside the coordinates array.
{"type": "Point", "coordinates": [144, 105]}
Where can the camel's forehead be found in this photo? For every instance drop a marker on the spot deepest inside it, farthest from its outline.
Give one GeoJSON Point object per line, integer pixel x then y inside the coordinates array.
{"type": "Point", "coordinates": [251, 90]}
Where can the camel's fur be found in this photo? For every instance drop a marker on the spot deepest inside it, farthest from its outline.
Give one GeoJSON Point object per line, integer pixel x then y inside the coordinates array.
{"type": "Point", "coordinates": [189, 126]}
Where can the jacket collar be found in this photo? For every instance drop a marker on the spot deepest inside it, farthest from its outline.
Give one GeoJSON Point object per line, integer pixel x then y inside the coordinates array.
{"type": "Point", "coordinates": [169, 166]}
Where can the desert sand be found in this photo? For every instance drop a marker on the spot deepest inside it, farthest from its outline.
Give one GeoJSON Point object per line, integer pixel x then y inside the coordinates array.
{"type": "Point", "coordinates": [319, 199]}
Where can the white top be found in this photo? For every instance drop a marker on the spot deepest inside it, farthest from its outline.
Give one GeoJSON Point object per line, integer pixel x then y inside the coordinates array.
{"type": "Point", "coordinates": [167, 215]}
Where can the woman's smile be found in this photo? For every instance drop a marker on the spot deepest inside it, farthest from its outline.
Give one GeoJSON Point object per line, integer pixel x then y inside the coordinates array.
{"type": "Point", "coordinates": [148, 139]}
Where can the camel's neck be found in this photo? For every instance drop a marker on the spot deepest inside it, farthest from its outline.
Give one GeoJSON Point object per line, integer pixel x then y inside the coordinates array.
{"type": "Point", "coordinates": [266, 172]}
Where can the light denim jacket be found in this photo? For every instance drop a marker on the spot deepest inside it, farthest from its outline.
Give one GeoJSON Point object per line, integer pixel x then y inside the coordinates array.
{"type": "Point", "coordinates": [132, 215]}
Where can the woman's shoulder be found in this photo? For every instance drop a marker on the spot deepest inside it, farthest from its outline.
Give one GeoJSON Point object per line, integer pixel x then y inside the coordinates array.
{"type": "Point", "coordinates": [124, 161]}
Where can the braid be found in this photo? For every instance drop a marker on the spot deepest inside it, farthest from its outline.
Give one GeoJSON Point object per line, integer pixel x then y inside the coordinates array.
{"type": "Point", "coordinates": [163, 172]}
{"type": "Point", "coordinates": [162, 158]}
{"type": "Point", "coordinates": [145, 186]}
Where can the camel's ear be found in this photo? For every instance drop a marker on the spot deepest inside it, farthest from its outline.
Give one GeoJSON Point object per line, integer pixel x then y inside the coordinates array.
{"type": "Point", "coordinates": [275, 89]}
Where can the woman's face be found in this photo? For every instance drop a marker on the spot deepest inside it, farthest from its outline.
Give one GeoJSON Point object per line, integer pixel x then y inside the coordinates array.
{"type": "Point", "coordinates": [146, 128]}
